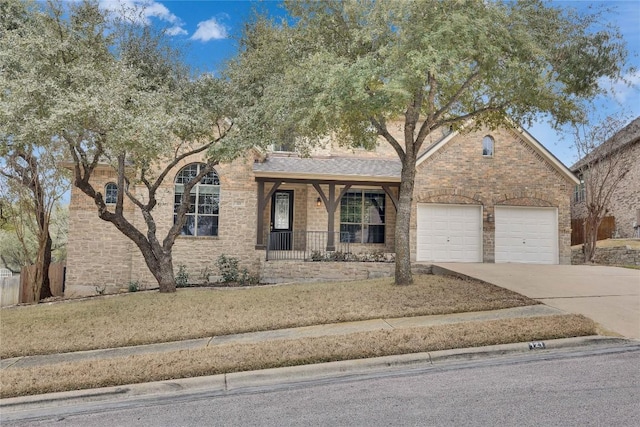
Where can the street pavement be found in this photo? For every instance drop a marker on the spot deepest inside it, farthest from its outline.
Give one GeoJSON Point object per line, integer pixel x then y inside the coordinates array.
{"type": "Point", "coordinates": [591, 385]}
{"type": "Point", "coordinates": [608, 295]}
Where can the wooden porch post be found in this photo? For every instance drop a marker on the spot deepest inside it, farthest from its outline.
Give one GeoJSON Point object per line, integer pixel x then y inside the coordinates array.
{"type": "Point", "coordinates": [262, 203]}
{"type": "Point", "coordinates": [260, 217]}
{"type": "Point", "coordinates": [331, 210]}
{"type": "Point", "coordinates": [331, 204]}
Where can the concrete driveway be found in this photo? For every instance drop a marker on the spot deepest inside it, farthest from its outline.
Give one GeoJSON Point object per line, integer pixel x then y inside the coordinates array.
{"type": "Point", "coordinates": [608, 295]}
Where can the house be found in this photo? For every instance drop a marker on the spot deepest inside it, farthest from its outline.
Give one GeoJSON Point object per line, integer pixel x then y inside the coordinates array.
{"type": "Point", "coordinates": [623, 149]}
{"type": "Point", "coordinates": [480, 196]}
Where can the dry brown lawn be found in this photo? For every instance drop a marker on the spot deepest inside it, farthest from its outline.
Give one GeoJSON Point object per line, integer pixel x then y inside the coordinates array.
{"type": "Point", "coordinates": [614, 243]}
{"type": "Point", "coordinates": [242, 357]}
{"type": "Point", "coordinates": [151, 317]}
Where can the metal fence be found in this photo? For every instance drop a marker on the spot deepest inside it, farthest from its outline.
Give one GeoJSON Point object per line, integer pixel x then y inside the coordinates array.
{"type": "Point", "coordinates": [307, 245]}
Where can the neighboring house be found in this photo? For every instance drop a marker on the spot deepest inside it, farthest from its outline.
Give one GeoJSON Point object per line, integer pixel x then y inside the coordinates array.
{"type": "Point", "coordinates": [625, 201]}
{"type": "Point", "coordinates": [481, 196]}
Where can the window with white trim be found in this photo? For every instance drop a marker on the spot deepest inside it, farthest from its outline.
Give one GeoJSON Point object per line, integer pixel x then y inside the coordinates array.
{"type": "Point", "coordinates": [362, 216]}
{"type": "Point", "coordinates": [111, 193]}
{"type": "Point", "coordinates": [487, 146]}
{"type": "Point", "coordinates": [579, 193]}
{"type": "Point", "coordinates": [203, 212]}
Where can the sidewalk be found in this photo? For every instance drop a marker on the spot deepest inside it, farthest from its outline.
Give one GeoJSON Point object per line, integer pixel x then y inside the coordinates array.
{"type": "Point", "coordinates": [253, 380]}
{"type": "Point", "coordinates": [284, 334]}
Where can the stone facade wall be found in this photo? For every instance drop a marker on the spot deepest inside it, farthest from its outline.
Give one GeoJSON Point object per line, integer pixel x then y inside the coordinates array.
{"type": "Point", "coordinates": [100, 255]}
{"type": "Point", "coordinates": [625, 201]}
{"type": "Point", "coordinates": [623, 255]}
{"type": "Point", "coordinates": [516, 175]}
{"type": "Point", "coordinates": [301, 271]}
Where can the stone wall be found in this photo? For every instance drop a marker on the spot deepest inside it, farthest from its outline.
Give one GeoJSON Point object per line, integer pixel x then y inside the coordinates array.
{"type": "Point", "coordinates": [301, 271]}
{"type": "Point", "coordinates": [100, 256]}
{"type": "Point", "coordinates": [625, 201]}
{"type": "Point", "coordinates": [516, 175]}
{"type": "Point", "coordinates": [622, 255]}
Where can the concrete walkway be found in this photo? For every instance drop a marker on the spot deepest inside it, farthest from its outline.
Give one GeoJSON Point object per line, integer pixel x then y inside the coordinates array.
{"type": "Point", "coordinates": [608, 295]}
{"type": "Point", "coordinates": [284, 334]}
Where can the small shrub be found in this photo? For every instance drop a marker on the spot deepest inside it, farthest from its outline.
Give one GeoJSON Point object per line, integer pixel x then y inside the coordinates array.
{"type": "Point", "coordinates": [182, 278]}
{"type": "Point", "coordinates": [247, 278]}
{"type": "Point", "coordinates": [317, 256]}
{"type": "Point", "coordinates": [100, 290]}
{"type": "Point", "coordinates": [134, 286]}
{"type": "Point", "coordinates": [205, 273]}
{"type": "Point", "coordinates": [228, 267]}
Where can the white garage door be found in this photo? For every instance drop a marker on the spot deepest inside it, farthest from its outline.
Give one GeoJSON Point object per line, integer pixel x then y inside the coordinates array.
{"type": "Point", "coordinates": [526, 235]}
{"type": "Point", "coordinates": [449, 233]}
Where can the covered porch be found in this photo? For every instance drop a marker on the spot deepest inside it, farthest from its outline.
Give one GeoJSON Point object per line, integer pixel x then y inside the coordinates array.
{"type": "Point", "coordinates": [325, 209]}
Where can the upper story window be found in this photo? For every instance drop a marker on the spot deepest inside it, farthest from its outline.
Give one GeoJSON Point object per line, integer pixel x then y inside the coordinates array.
{"type": "Point", "coordinates": [203, 212]}
{"type": "Point", "coordinates": [362, 216]}
{"type": "Point", "coordinates": [487, 146]}
{"type": "Point", "coordinates": [579, 192]}
{"type": "Point", "coordinates": [111, 193]}
{"type": "Point", "coordinates": [286, 144]}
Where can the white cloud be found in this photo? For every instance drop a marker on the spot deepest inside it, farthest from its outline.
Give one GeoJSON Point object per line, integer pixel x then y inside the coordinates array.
{"type": "Point", "coordinates": [210, 29]}
{"type": "Point", "coordinates": [177, 31]}
{"type": "Point", "coordinates": [141, 12]}
{"type": "Point", "coordinates": [622, 89]}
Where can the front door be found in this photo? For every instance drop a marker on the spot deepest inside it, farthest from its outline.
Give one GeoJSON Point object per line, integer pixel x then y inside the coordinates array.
{"type": "Point", "coordinates": [281, 220]}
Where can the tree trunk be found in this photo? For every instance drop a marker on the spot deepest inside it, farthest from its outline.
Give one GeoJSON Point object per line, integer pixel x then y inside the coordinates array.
{"type": "Point", "coordinates": [45, 289]}
{"type": "Point", "coordinates": [403, 222]}
{"type": "Point", "coordinates": [590, 237]}
{"type": "Point", "coordinates": [161, 268]}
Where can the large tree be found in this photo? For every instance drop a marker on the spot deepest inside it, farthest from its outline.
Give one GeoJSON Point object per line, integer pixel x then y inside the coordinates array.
{"type": "Point", "coordinates": [33, 183]}
{"type": "Point", "coordinates": [112, 92]}
{"type": "Point", "coordinates": [33, 186]}
{"type": "Point", "coordinates": [348, 69]}
{"type": "Point", "coordinates": [603, 165]}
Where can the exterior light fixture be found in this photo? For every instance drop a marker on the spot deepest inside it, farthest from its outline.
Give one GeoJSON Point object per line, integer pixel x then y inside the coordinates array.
{"type": "Point", "coordinates": [489, 217]}
{"type": "Point", "coordinates": [318, 202]}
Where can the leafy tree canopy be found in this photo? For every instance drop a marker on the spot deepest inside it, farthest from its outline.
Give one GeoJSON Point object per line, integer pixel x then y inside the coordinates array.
{"type": "Point", "coordinates": [109, 91]}
{"type": "Point", "coordinates": [350, 66]}
{"type": "Point", "coordinates": [348, 69]}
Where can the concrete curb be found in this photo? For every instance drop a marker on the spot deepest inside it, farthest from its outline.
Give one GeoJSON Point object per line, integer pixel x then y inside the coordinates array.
{"type": "Point", "coordinates": [331, 329]}
{"type": "Point", "coordinates": [298, 374]}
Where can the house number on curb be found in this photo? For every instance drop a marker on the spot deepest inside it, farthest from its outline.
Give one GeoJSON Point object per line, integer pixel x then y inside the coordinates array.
{"type": "Point", "coordinates": [535, 345]}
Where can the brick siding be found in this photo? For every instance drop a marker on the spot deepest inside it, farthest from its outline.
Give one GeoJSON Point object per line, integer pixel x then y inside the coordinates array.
{"type": "Point", "coordinates": [515, 175]}
{"type": "Point", "coordinates": [625, 201]}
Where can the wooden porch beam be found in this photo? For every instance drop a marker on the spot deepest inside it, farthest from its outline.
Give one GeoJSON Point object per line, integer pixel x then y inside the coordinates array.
{"type": "Point", "coordinates": [327, 182]}
{"type": "Point", "coordinates": [393, 198]}
{"type": "Point", "coordinates": [262, 203]}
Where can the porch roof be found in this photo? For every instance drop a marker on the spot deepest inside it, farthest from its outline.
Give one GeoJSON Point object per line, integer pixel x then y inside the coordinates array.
{"type": "Point", "coordinates": [330, 168]}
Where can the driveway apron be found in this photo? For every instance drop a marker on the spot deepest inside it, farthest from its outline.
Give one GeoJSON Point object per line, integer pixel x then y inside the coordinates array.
{"type": "Point", "coordinates": [608, 295]}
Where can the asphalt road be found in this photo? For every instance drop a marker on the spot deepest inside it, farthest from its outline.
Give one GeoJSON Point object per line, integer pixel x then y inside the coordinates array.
{"type": "Point", "coordinates": [579, 388]}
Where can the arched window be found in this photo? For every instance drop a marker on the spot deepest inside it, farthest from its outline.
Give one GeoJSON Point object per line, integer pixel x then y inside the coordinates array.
{"type": "Point", "coordinates": [487, 146]}
{"type": "Point", "coordinates": [202, 215]}
{"type": "Point", "coordinates": [111, 193]}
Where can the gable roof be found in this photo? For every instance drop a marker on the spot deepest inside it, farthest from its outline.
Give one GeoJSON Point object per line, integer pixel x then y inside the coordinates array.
{"type": "Point", "coordinates": [343, 168]}
{"type": "Point", "coordinates": [628, 135]}
{"type": "Point", "coordinates": [526, 136]}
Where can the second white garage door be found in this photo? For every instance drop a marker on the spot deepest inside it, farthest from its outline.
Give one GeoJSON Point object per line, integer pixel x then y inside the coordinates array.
{"type": "Point", "coordinates": [449, 233]}
{"type": "Point", "coordinates": [526, 235]}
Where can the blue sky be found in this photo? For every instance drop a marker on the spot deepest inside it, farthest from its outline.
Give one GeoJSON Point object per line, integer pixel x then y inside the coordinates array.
{"type": "Point", "coordinates": [208, 28]}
